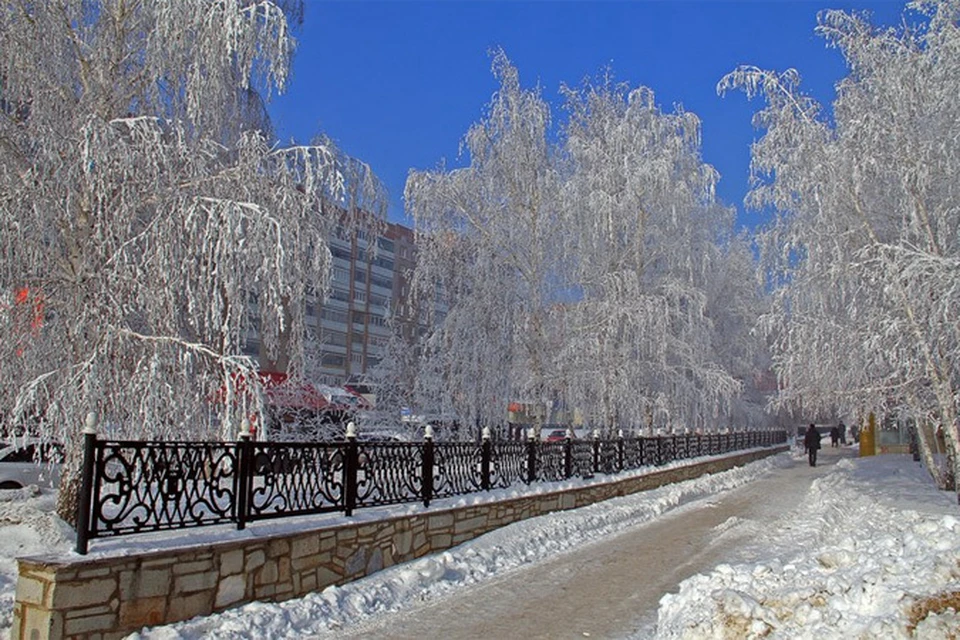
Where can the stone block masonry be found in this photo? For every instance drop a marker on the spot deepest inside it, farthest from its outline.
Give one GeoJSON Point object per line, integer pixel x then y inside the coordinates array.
{"type": "Point", "coordinates": [111, 597]}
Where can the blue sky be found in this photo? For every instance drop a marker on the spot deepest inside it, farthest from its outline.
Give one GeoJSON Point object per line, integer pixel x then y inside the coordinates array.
{"type": "Point", "coordinates": [397, 83]}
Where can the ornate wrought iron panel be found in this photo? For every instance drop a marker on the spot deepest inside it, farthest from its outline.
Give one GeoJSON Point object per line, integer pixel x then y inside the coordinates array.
{"type": "Point", "coordinates": [296, 478]}
{"type": "Point", "coordinates": [632, 453]}
{"type": "Point", "coordinates": [582, 459]}
{"type": "Point", "coordinates": [389, 473]}
{"type": "Point", "coordinates": [153, 486]}
{"type": "Point", "coordinates": [550, 462]}
{"type": "Point", "coordinates": [681, 451]}
{"type": "Point", "coordinates": [668, 450]}
{"type": "Point", "coordinates": [456, 469]}
{"type": "Point", "coordinates": [508, 464]}
{"type": "Point", "coordinates": [609, 456]}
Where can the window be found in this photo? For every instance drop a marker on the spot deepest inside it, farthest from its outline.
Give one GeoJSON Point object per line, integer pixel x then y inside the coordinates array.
{"type": "Point", "coordinates": [359, 317]}
{"type": "Point", "coordinates": [335, 315]}
{"type": "Point", "coordinates": [359, 295]}
{"type": "Point", "coordinates": [356, 359]}
{"type": "Point", "coordinates": [332, 360]}
{"type": "Point", "coordinates": [337, 338]}
{"type": "Point", "coordinates": [380, 301]}
{"type": "Point", "coordinates": [340, 274]}
{"type": "Point", "coordinates": [360, 276]}
{"type": "Point", "coordinates": [386, 244]}
{"type": "Point", "coordinates": [339, 294]}
{"type": "Point", "coordinates": [380, 281]}
{"type": "Point", "coordinates": [383, 262]}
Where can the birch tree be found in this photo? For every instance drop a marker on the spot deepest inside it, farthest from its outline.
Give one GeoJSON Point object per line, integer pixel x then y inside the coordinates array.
{"type": "Point", "coordinates": [148, 225]}
{"type": "Point", "coordinates": [865, 251]}
{"type": "Point", "coordinates": [644, 230]}
{"type": "Point", "coordinates": [486, 239]}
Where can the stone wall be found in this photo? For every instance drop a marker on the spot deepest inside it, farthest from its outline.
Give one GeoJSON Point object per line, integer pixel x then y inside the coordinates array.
{"type": "Point", "coordinates": [110, 597]}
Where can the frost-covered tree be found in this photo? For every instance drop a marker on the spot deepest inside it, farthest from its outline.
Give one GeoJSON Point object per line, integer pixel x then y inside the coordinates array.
{"type": "Point", "coordinates": [487, 238]}
{"type": "Point", "coordinates": [735, 300]}
{"type": "Point", "coordinates": [147, 224]}
{"type": "Point", "coordinates": [866, 251]}
{"type": "Point", "coordinates": [643, 230]}
{"type": "Point", "coordinates": [582, 273]}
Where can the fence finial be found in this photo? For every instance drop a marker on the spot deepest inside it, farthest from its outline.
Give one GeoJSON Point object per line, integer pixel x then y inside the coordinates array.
{"type": "Point", "coordinates": [486, 433]}
{"type": "Point", "coordinates": [91, 426]}
{"type": "Point", "coordinates": [428, 432]}
{"type": "Point", "coordinates": [245, 428]}
{"type": "Point", "coordinates": [351, 429]}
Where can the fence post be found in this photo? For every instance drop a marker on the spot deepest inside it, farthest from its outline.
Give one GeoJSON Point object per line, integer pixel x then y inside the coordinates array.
{"type": "Point", "coordinates": [485, 451]}
{"type": "Point", "coordinates": [620, 450]}
{"type": "Point", "coordinates": [244, 473]}
{"type": "Point", "coordinates": [427, 472]}
{"type": "Point", "coordinates": [568, 453]}
{"type": "Point", "coordinates": [86, 484]}
{"type": "Point", "coordinates": [660, 451]}
{"type": "Point", "coordinates": [531, 457]}
{"type": "Point", "coordinates": [350, 464]}
{"type": "Point", "coordinates": [596, 451]}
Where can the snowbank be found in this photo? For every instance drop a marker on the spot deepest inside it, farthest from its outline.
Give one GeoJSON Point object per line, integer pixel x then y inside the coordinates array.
{"type": "Point", "coordinates": [873, 552]}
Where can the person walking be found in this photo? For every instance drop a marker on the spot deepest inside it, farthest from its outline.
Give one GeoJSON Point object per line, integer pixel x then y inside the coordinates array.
{"type": "Point", "coordinates": [811, 440]}
{"type": "Point", "coordinates": [834, 437]}
{"type": "Point", "coordinates": [843, 433]}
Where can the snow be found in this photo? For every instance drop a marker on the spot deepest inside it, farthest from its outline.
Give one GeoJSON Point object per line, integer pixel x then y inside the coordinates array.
{"type": "Point", "coordinates": [872, 541]}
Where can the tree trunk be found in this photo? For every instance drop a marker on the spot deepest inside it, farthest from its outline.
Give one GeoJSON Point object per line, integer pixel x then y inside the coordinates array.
{"type": "Point", "coordinates": [68, 496]}
{"type": "Point", "coordinates": [926, 453]}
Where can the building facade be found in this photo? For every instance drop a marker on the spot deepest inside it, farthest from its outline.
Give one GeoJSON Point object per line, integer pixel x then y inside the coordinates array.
{"type": "Point", "coordinates": [369, 285]}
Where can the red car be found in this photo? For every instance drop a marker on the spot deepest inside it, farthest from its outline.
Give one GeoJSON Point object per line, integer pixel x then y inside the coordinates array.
{"type": "Point", "coordinates": [557, 435]}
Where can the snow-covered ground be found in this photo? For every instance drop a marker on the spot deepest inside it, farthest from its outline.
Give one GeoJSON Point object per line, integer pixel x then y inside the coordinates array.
{"type": "Point", "coordinates": [873, 552]}
{"type": "Point", "coordinates": [873, 549]}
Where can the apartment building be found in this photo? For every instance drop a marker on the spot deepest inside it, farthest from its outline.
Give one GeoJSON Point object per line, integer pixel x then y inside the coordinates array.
{"type": "Point", "coordinates": [370, 283]}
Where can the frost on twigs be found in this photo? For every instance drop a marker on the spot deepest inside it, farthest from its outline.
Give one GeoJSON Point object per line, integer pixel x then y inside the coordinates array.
{"type": "Point", "coordinates": [149, 225]}
{"type": "Point", "coordinates": [864, 256]}
{"type": "Point", "coordinates": [598, 273]}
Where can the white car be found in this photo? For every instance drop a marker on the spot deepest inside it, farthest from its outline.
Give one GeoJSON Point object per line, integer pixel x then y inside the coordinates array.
{"type": "Point", "coordinates": [30, 461]}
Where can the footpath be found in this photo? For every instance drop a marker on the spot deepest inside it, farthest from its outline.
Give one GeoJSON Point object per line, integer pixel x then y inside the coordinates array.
{"type": "Point", "coordinates": [611, 589]}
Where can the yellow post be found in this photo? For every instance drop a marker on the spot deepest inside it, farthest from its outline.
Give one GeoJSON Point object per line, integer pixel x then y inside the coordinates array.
{"type": "Point", "coordinates": [868, 437]}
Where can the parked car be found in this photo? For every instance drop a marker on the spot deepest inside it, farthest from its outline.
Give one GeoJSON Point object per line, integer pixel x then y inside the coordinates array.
{"type": "Point", "coordinates": [30, 461]}
{"type": "Point", "coordinates": [557, 435]}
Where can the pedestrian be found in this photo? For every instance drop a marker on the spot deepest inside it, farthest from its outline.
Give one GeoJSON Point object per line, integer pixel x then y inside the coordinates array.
{"type": "Point", "coordinates": [834, 437]}
{"type": "Point", "coordinates": [843, 433]}
{"type": "Point", "coordinates": [811, 440]}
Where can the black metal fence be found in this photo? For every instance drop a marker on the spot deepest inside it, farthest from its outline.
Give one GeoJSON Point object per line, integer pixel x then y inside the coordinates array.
{"type": "Point", "coordinates": [138, 486]}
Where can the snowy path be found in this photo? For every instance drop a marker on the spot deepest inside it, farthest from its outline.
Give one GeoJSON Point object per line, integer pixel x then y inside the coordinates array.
{"type": "Point", "coordinates": [611, 588]}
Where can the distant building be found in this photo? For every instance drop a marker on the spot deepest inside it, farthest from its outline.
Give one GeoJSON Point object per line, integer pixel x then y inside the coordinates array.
{"type": "Point", "coordinates": [370, 282]}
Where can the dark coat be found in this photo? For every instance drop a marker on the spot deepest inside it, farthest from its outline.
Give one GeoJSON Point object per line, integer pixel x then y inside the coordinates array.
{"type": "Point", "coordinates": [811, 440]}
